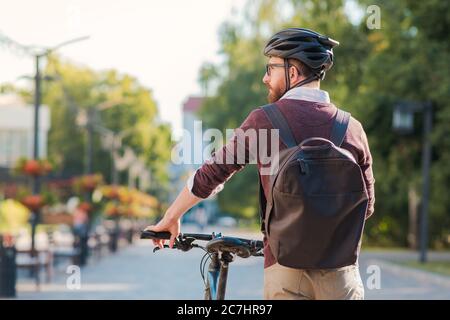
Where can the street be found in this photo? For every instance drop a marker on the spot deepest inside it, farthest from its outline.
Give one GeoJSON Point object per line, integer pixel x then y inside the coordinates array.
{"type": "Point", "coordinates": [135, 272]}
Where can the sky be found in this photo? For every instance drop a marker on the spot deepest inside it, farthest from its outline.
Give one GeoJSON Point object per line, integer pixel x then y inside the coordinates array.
{"type": "Point", "coordinates": [161, 43]}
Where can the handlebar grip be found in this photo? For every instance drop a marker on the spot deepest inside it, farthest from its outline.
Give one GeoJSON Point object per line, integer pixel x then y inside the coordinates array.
{"type": "Point", "coordinates": [259, 244]}
{"type": "Point", "coordinates": [147, 234]}
{"type": "Point", "coordinates": [255, 243]}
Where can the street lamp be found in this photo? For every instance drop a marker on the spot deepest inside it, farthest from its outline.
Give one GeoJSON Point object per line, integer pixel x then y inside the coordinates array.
{"type": "Point", "coordinates": [403, 123]}
{"type": "Point", "coordinates": [37, 53]}
{"type": "Point", "coordinates": [403, 118]}
{"type": "Point", "coordinates": [89, 118]}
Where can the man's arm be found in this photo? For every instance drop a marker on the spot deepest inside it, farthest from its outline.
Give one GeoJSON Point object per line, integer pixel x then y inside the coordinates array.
{"type": "Point", "coordinates": [171, 220]}
{"type": "Point", "coordinates": [366, 168]}
{"type": "Point", "coordinates": [206, 181]}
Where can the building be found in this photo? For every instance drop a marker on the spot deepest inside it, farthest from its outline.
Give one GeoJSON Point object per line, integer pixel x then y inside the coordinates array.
{"type": "Point", "coordinates": [193, 128]}
{"type": "Point", "coordinates": [193, 134]}
{"type": "Point", "coordinates": [17, 130]}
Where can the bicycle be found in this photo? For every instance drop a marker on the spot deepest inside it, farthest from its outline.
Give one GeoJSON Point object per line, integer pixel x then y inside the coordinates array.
{"type": "Point", "coordinates": [219, 249]}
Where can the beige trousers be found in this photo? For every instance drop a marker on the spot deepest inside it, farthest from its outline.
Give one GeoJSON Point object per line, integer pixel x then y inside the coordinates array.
{"type": "Point", "coordinates": [296, 284]}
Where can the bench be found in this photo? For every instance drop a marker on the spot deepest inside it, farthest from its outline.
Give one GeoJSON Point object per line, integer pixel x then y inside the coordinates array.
{"type": "Point", "coordinates": [35, 262]}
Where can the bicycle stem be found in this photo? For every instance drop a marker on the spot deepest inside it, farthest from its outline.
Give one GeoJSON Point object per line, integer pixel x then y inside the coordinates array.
{"type": "Point", "coordinates": [212, 278]}
{"type": "Point", "coordinates": [226, 258]}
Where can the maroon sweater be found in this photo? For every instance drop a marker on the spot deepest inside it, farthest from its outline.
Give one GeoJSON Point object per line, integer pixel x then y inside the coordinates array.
{"type": "Point", "coordinates": [306, 119]}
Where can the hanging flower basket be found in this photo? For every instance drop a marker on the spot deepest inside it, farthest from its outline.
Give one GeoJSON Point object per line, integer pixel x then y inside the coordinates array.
{"type": "Point", "coordinates": [33, 202]}
{"type": "Point", "coordinates": [32, 167]}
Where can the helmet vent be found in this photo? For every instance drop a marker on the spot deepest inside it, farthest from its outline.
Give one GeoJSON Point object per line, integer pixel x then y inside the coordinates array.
{"type": "Point", "coordinates": [315, 58]}
{"type": "Point", "coordinates": [314, 50]}
{"type": "Point", "coordinates": [286, 47]}
{"type": "Point", "coordinates": [302, 39]}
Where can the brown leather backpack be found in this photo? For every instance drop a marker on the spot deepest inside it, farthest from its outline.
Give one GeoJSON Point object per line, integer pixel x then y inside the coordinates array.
{"type": "Point", "coordinates": [315, 210]}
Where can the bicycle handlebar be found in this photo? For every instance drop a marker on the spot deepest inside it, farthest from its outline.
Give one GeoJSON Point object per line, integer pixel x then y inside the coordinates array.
{"type": "Point", "coordinates": [185, 241]}
{"type": "Point", "coordinates": [147, 234]}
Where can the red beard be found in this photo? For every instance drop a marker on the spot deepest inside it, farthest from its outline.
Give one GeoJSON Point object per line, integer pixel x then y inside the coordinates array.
{"type": "Point", "coordinates": [274, 94]}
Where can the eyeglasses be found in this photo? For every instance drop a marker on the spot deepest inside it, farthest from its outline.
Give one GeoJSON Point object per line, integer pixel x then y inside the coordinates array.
{"type": "Point", "coordinates": [270, 66]}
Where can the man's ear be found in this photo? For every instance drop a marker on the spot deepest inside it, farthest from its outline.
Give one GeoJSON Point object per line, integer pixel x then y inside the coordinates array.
{"type": "Point", "coordinates": [292, 72]}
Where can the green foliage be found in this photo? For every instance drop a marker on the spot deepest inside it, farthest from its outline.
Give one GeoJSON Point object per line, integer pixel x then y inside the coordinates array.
{"type": "Point", "coordinates": [115, 101]}
{"type": "Point", "coordinates": [407, 59]}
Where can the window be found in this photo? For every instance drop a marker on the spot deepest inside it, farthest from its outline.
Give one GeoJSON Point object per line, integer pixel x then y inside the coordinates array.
{"type": "Point", "coordinates": [13, 145]}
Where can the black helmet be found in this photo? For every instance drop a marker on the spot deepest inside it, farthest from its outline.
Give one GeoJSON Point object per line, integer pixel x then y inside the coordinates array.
{"type": "Point", "coordinates": [311, 48]}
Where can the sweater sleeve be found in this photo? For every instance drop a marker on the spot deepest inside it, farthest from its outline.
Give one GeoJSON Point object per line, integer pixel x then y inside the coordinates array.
{"type": "Point", "coordinates": [366, 168]}
{"type": "Point", "coordinates": [210, 178]}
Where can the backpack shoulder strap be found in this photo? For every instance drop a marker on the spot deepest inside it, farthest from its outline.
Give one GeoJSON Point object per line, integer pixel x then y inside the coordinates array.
{"type": "Point", "coordinates": [262, 206]}
{"type": "Point", "coordinates": [279, 122]}
{"type": "Point", "coordinates": [340, 126]}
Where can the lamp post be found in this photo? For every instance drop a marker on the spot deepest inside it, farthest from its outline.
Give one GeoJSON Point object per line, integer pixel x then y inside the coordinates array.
{"type": "Point", "coordinates": [89, 118]}
{"type": "Point", "coordinates": [115, 143]}
{"type": "Point", "coordinates": [37, 53]}
{"type": "Point", "coordinates": [403, 123]}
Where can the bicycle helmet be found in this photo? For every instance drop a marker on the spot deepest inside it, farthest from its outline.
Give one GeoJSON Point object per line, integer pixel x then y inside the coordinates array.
{"type": "Point", "coordinates": [307, 46]}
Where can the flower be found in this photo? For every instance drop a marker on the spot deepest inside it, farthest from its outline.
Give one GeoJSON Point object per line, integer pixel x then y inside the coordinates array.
{"type": "Point", "coordinates": [87, 182]}
{"type": "Point", "coordinates": [85, 206]}
{"type": "Point", "coordinates": [111, 192]}
{"type": "Point", "coordinates": [33, 202]}
{"type": "Point", "coordinates": [112, 210]}
{"type": "Point", "coordinates": [33, 167]}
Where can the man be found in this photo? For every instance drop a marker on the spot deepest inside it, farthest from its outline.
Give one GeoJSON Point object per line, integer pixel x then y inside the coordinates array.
{"type": "Point", "coordinates": [298, 60]}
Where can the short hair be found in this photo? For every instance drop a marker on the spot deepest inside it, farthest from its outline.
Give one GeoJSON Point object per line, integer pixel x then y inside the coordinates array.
{"type": "Point", "coordinates": [302, 68]}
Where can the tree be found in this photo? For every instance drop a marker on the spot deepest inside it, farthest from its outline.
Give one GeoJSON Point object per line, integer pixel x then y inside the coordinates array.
{"type": "Point", "coordinates": [128, 105]}
{"type": "Point", "coordinates": [407, 59]}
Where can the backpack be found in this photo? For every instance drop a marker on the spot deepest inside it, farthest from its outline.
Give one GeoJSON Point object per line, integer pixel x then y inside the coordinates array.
{"type": "Point", "coordinates": [314, 214]}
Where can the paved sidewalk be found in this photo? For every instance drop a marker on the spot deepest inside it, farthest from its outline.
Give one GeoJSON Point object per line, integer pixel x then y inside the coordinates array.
{"type": "Point", "coordinates": [399, 282]}
{"type": "Point", "coordinates": [135, 272]}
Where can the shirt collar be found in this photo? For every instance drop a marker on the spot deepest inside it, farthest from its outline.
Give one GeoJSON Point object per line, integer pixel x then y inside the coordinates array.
{"type": "Point", "coordinates": [308, 94]}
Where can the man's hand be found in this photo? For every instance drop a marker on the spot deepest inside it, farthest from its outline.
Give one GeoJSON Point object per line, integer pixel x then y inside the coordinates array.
{"type": "Point", "coordinates": [166, 224]}
{"type": "Point", "coordinates": [171, 220]}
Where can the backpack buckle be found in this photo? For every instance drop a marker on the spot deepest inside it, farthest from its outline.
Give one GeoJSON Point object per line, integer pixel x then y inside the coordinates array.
{"type": "Point", "coordinates": [304, 169]}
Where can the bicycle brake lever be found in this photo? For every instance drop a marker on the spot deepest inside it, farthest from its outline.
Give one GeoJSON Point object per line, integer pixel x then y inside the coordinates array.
{"type": "Point", "coordinates": [184, 245]}
{"type": "Point", "coordinates": [165, 246]}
